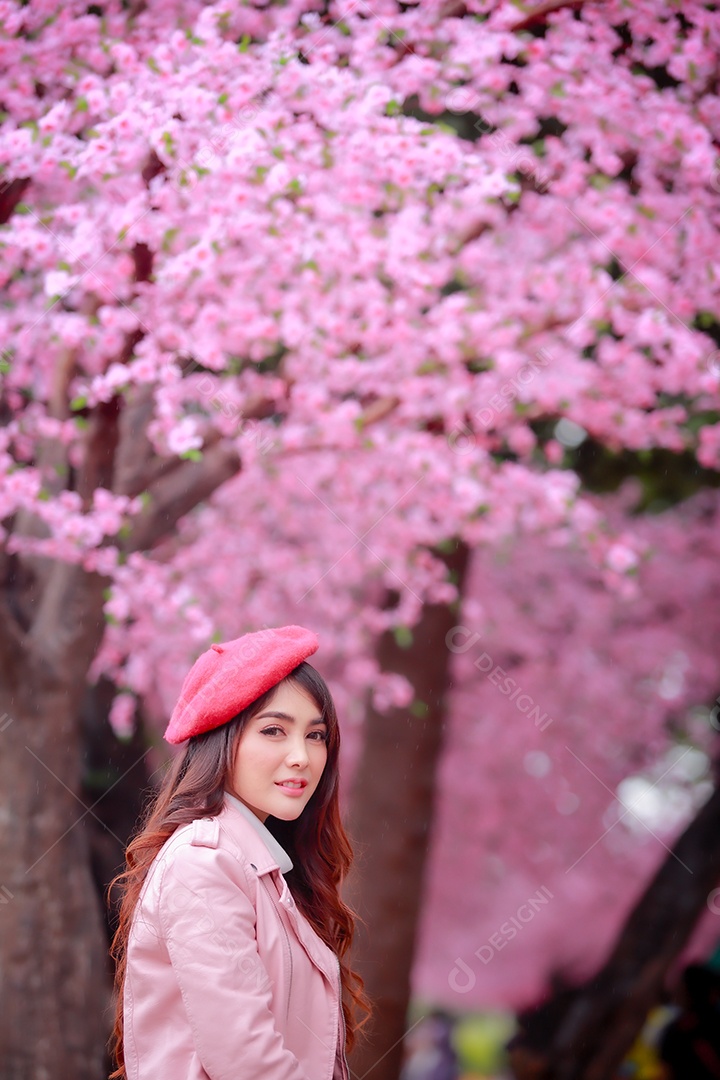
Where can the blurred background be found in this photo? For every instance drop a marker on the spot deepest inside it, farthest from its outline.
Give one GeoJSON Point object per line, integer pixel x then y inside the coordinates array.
{"type": "Point", "coordinates": [398, 321]}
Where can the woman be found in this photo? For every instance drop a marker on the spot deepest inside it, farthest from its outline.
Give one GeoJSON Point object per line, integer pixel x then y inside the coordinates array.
{"type": "Point", "coordinates": [232, 932]}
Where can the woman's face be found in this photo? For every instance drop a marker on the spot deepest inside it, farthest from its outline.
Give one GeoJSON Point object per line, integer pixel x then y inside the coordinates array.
{"type": "Point", "coordinates": [286, 741]}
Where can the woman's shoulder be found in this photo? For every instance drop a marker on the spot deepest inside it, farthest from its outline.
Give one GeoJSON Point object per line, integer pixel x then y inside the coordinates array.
{"type": "Point", "coordinates": [200, 844]}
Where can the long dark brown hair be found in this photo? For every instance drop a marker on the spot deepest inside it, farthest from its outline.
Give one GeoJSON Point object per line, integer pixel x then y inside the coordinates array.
{"type": "Point", "coordinates": [194, 787]}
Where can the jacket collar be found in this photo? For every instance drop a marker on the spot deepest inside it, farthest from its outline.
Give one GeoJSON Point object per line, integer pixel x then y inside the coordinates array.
{"type": "Point", "coordinates": [259, 844]}
{"type": "Point", "coordinates": [264, 853]}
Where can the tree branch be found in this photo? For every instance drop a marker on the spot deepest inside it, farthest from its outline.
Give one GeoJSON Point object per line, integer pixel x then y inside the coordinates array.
{"type": "Point", "coordinates": [10, 195]}
{"type": "Point", "coordinates": [70, 624]}
{"type": "Point", "coordinates": [538, 15]}
{"type": "Point", "coordinates": [103, 434]}
{"type": "Point", "coordinates": [605, 1015]}
{"type": "Point", "coordinates": [174, 495]}
{"type": "Point", "coordinates": [137, 467]}
{"type": "Point", "coordinates": [135, 456]}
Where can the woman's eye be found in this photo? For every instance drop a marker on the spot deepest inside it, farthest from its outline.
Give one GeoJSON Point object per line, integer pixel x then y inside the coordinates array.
{"type": "Point", "coordinates": [321, 735]}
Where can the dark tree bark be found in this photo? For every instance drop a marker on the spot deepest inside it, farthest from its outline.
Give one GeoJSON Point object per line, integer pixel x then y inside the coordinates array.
{"type": "Point", "coordinates": [54, 985]}
{"type": "Point", "coordinates": [588, 1037]}
{"type": "Point", "coordinates": [55, 982]}
{"type": "Point", "coordinates": [115, 784]}
{"type": "Point", "coordinates": [390, 822]}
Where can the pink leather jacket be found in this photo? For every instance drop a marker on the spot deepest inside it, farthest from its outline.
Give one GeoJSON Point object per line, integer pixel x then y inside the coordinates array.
{"type": "Point", "coordinates": [226, 979]}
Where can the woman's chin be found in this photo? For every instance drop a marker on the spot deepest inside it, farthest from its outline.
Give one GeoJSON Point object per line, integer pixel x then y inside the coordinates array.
{"type": "Point", "coordinates": [288, 813]}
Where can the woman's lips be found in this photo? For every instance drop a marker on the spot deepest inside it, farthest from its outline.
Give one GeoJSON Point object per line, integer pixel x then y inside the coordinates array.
{"type": "Point", "coordinates": [292, 790]}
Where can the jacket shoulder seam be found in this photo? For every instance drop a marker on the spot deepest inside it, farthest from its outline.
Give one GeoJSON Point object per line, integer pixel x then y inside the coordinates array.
{"type": "Point", "coordinates": [228, 842]}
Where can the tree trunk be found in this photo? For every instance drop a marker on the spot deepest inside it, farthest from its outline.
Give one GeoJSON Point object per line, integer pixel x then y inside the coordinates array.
{"type": "Point", "coordinates": [55, 992]}
{"type": "Point", "coordinates": [390, 820]}
{"type": "Point", "coordinates": [604, 1016]}
{"type": "Point", "coordinates": [115, 784]}
{"type": "Point", "coordinates": [54, 979]}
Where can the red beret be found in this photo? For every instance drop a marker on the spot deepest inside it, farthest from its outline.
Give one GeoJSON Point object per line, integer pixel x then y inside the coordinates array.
{"type": "Point", "coordinates": [231, 675]}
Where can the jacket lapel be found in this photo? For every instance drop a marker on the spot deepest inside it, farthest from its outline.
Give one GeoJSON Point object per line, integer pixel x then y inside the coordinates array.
{"type": "Point", "coordinates": [262, 862]}
{"type": "Point", "coordinates": [321, 954]}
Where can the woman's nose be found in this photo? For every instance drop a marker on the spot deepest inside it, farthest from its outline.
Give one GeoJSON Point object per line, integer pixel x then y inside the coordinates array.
{"type": "Point", "coordinates": [297, 751]}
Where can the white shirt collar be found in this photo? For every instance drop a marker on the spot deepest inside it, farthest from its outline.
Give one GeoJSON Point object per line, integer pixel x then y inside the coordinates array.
{"type": "Point", "coordinates": [275, 849]}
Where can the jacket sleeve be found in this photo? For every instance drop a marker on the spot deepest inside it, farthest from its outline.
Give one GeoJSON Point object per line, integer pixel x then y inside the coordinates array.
{"type": "Point", "coordinates": [208, 922]}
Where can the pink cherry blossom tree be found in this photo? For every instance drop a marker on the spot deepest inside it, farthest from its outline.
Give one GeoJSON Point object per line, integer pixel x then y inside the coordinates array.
{"type": "Point", "coordinates": [358, 274]}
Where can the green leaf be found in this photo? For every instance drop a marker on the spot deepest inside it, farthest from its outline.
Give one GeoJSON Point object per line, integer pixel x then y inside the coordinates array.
{"type": "Point", "coordinates": [705, 319]}
{"type": "Point", "coordinates": [223, 98]}
{"type": "Point", "coordinates": [403, 636]}
{"type": "Point", "coordinates": [168, 237]}
{"type": "Point", "coordinates": [81, 104]}
{"type": "Point", "coordinates": [191, 455]}
{"type": "Point", "coordinates": [600, 181]}
{"type": "Point", "coordinates": [79, 402]}
{"type": "Point", "coordinates": [243, 45]}
{"type": "Point", "coordinates": [419, 708]}
{"type": "Point", "coordinates": [558, 90]}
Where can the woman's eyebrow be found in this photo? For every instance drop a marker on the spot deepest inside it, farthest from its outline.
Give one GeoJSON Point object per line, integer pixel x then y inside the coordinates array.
{"type": "Point", "coordinates": [291, 719]}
